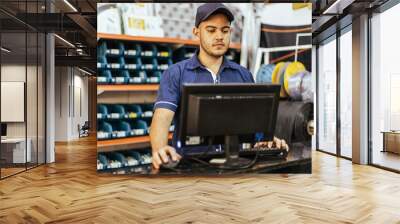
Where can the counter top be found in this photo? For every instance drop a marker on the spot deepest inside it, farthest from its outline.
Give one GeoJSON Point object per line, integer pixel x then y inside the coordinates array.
{"type": "Point", "coordinates": [298, 160]}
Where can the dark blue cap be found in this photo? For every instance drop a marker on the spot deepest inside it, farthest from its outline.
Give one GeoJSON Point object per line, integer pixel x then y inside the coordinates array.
{"type": "Point", "coordinates": [206, 10]}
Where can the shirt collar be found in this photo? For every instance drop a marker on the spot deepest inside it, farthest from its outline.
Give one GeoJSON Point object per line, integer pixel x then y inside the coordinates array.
{"type": "Point", "coordinates": [195, 63]}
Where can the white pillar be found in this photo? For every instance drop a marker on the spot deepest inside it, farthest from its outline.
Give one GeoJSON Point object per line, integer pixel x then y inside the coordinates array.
{"type": "Point", "coordinates": [50, 98]}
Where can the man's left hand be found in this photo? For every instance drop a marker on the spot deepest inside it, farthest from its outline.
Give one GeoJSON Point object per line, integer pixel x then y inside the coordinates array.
{"type": "Point", "coordinates": [278, 143]}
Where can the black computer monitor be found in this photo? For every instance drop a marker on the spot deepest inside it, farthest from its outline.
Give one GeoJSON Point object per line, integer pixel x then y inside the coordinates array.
{"type": "Point", "coordinates": [3, 129]}
{"type": "Point", "coordinates": [229, 110]}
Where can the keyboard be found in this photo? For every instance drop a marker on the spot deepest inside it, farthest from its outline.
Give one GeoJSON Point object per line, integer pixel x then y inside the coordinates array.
{"type": "Point", "coordinates": [263, 152]}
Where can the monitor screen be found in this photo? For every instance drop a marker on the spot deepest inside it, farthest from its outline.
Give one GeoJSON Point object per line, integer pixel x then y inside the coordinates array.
{"type": "Point", "coordinates": [228, 109]}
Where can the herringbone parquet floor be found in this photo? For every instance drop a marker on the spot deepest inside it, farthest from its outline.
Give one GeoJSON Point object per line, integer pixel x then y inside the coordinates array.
{"type": "Point", "coordinates": [70, 191]}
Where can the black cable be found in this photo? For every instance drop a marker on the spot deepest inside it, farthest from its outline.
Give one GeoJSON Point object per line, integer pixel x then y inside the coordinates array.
{"type": "Point", "coordinates": [172, 169]}
{"type": "Point", "coordinates": [210, 144]}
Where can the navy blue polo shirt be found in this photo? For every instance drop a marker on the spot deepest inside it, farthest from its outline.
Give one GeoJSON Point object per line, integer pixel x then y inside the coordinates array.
{"type": "Point", "coordinates": [192, 71]}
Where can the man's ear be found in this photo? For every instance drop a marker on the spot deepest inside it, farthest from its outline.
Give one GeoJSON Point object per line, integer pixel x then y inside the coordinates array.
{"type": "Point", "coordinates": [196, 32]}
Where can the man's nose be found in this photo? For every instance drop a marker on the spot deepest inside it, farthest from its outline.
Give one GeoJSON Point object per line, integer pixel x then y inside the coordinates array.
{"type": "Point", "coordinates": [220, 35]}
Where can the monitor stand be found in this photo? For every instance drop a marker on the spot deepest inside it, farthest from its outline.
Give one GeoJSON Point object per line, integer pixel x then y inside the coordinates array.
{"type": "Point", "coordinates": [232, 153]}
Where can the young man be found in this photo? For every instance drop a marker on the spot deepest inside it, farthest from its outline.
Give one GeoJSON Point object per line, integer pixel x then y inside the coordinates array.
{"type": "Point", "coordinates": [208, 65]}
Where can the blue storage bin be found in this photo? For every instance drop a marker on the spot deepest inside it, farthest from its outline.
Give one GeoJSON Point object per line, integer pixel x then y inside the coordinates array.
{"type": "Point", "coordinates": [102, 112]}
{"type": "Point", "coordinates": [164, 52]}
{"type": "Point", "coordinates": [149, 64]}
{"type": "Point", "coordinates": [114, 49]}
{"type": "Point", "coordinates": [102, 162]}
{"type": "Point", "coordinates": [138, 127]}
{"type": "Point", "coordinates": [164, 63]}
{"type": "Point", "coordinates": [117, 156]}
{"type": "Point", "coordinates": [133, 63]}
{"type": "Point", "coordinates": [116, 111]}
{"type": "Point", "coordinates": [148, 51]}
{"type": "Point", "coordinates": [101, 48]}
{"type": "Point", "coordinates": [133, 111]}
{"type": "Point", "coordinates": [132, 50]}
{"type": "Point", "coordinates": [121, 76]}
{"type": "Point", "coordinates": [116, 63]}
{"type": "Point", "coordinates": [137, 77]}
{"type": "Point", "coordinates": [183, 53]}
{"type": "Point", "coordinates": [188, 54]}
{"type": "Point", "coordinates": [121, 129]}
{"type": "Point", "coordinates": [100, 166]}
{"type": "Point", "coordinates": [133, 158]}
{"type": "Point", "coordinates": [153, 77]}
{"type": "Point", "coordinates": [148, 122]}
{"type": "Point", "coordinates": [102, 62]}
{"type": "Point", "coordinates": [146, 158]}
{"type": "Point", "coordinates": [147, 110]}
{"type": "Point", "coordinates": [113, 163]}
{"type": "Point", "coordinates": [105, 77]}
{"type": "Point", "coordinates": [104, 130]}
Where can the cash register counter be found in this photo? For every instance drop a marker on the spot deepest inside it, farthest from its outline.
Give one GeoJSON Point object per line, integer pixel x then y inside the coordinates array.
{"type": "Point", "coordinates": [298, 160]}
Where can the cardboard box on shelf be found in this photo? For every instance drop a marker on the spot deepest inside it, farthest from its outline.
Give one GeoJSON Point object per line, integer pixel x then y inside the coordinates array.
{"type": "Point", "coordinates": [142, 25]}
{"type": "Point", "coordinates": [137, 9]}
{"type": "Point", "coordinates": [109, 21]}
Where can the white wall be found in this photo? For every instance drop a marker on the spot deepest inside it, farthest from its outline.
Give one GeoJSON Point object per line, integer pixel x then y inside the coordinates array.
{"type": "Point", "coordinates": [61, 103]}
{"type": "Point", "coordinates": [81, 85]}
{"type": "Point", "coordinates": [71, 94]}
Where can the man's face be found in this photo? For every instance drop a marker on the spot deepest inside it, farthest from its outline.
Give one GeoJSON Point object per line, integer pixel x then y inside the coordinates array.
{"type": "Point", "coordinates": [214, 34]}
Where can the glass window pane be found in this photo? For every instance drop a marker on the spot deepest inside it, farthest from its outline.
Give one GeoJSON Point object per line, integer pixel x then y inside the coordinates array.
{"type": "Point", "coordinates": [346, 94]}
{"type": "Point", "coordinates": [13, 87]}
{"type": "Point", "coordinates": [327, 97]}
{"type": "Point", "coordinates": [32, 98]}
{"type": "Point", "coordinates": [22, 64]}
{"type": "Point", "coordinates": [385, 84]}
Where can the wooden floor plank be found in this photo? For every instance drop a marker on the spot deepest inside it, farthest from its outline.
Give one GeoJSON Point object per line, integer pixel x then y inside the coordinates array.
{"type": "Point", "coordinates": [70, 191]}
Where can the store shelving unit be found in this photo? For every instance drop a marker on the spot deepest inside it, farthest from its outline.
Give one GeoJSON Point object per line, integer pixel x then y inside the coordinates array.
{"type": "Point", "coordinates": [128, 92]}
{"type": "Point", "coordinates": [128, 87]}
{"type": "Point", "coordinates": [124, 143]}
{"type": "Point", "coordinates": [165, 40]}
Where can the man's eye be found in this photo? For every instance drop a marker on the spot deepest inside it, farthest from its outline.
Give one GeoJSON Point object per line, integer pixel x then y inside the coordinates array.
{"type": "Point", "coordinates": [225, 31]}
{"type": "Point", "coordinates": [211, 30]}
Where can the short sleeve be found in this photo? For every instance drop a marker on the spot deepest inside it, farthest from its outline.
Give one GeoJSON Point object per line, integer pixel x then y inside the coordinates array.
{"type": "Point", "coordinates": [169, 91]}
{"type": "Point", "coordinates": [250, 76]}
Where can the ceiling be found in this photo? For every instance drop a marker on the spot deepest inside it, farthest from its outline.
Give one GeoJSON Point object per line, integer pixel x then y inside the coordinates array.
{"type": "Point", "coordinates": [72, 20]}
{"type": "Point", "coordinates": [76, 23]}
{"type": "Point", "coordinates": [330, 15]}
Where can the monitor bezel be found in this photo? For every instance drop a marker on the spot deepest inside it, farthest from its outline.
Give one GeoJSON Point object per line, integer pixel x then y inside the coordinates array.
{"type": "Point", "coordinates": [202, 88]}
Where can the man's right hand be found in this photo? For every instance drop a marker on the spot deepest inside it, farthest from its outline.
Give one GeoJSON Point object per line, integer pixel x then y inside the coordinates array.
{"type": "Point", "coordinates": [163, 155]}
